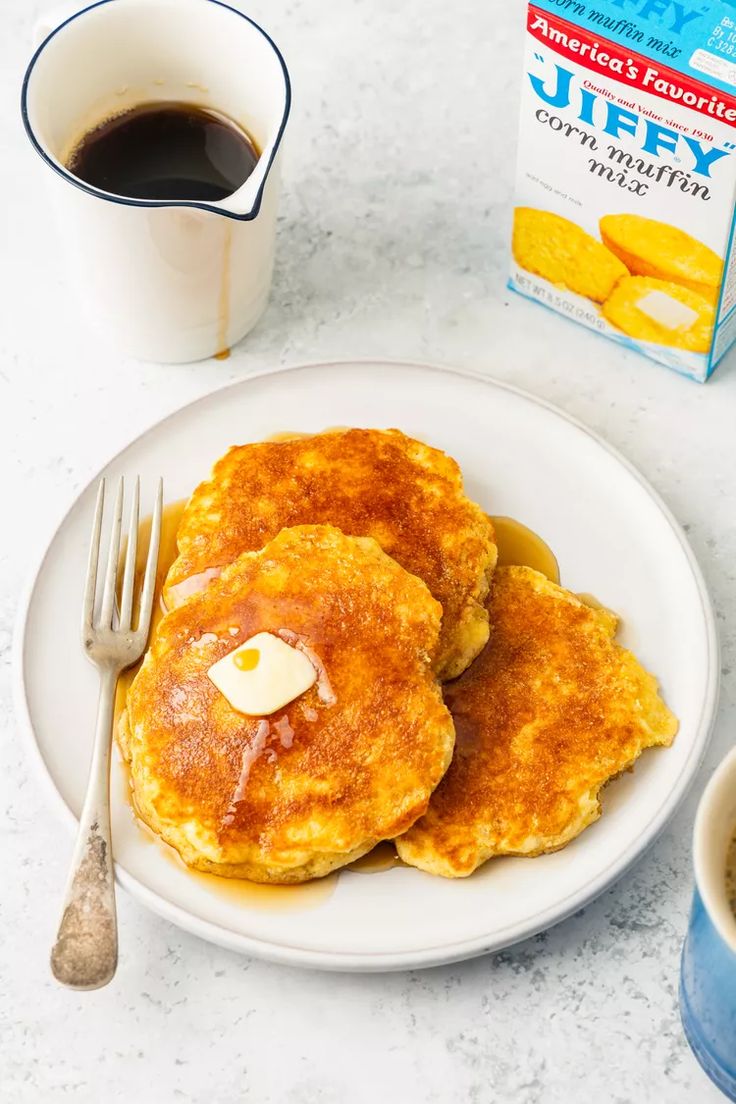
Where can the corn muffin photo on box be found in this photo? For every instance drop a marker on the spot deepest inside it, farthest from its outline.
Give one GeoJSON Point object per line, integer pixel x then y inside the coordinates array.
{"type": "Point", "coordinates": [626, 182]}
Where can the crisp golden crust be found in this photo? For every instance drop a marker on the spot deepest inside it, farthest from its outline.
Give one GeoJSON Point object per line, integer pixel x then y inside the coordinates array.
{"type": "Point", "coordinates": [370, 483]}
{"type": "Point", "coordinates": [322, 781]}
{"type": "Point", "coordinates": [549, 712]}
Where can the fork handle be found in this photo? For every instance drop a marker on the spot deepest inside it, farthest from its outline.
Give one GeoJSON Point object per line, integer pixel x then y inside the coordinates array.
{"type": "Point", "coordinates": [85, 954]}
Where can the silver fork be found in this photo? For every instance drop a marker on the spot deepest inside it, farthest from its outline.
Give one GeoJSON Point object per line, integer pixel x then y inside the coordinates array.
{"type": "Point", "coordinates": [85, 954]}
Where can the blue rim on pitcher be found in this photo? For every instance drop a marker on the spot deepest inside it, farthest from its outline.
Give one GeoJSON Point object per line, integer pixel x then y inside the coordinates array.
{"type": "Point", "coordinates": [126, 201]}
{"type": "Point", "coordinates": [708, 969]}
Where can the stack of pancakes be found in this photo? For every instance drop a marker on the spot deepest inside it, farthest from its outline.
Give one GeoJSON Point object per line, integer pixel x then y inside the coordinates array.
{"type": "Point", "coordinates": [462, 710]}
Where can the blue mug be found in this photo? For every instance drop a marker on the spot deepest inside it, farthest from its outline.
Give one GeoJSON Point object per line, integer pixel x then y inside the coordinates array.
{"type": "Point", "coordinates": [708, 974]}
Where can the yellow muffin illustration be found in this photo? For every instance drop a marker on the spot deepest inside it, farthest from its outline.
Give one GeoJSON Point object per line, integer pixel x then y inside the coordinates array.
{"type": "Point", "coordinates": [651, 248]}
{"type": "Point", "coordinates": [661, 311]}
{"type": "Point", "coordinates": [563, 253]}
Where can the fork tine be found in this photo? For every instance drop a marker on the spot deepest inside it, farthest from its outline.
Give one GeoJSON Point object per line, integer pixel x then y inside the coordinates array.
{"type": "Point", "coordinates": [108, 593]}
{"type": "Point", "coordinates": [88, 607]}
{"type": "Point", "coordinates": [149, 581]}
{"type": "Point", "coordinates": [126, 598]}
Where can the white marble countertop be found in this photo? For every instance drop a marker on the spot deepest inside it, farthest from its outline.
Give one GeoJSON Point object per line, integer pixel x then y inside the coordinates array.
{"type": "Point", "coordinates": [393, 242]}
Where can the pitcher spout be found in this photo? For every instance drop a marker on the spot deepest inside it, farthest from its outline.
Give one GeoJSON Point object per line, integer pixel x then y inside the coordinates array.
{"type": "Point", "coordinates": [245, 203]}
{"type": "Point", "coordinates": [266, 102]}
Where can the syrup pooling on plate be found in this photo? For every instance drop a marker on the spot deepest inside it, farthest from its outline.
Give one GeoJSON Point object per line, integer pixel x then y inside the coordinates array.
{"type": "Point", "coordinates": [519, 546]}
{"type": "Point", "coordinates": [271, 898]}
{"type": "Point", "coordinates": [381, 858]}
{"type": "Point", "coordinates": [592, 602]}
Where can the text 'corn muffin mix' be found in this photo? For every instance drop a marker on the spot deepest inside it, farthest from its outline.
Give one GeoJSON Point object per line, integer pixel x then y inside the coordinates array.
{"type": "Point", "coordinates": [626, 184]}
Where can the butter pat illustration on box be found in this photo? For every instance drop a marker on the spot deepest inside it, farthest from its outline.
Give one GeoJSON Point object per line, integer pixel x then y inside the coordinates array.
{"type": "Point", "coordinates": [626, 184]}
{"type": "Point", "coordinates": [662, 313]}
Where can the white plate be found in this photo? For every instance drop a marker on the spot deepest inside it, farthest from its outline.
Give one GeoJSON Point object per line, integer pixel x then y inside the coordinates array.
{"type": "Point", "coordinates": [613, 538]}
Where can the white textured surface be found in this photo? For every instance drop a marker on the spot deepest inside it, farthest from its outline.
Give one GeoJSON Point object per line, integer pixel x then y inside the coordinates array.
{"type": "Point", "coordinates": [393, 241]}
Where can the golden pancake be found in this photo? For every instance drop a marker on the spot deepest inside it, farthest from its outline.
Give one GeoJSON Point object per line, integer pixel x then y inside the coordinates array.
{"type": "Point", "coordinates": [549, 712]}
{"type": "Point", "coordinates": [370, 483]}
{"type": "Point", "coordinates": [350, 762]}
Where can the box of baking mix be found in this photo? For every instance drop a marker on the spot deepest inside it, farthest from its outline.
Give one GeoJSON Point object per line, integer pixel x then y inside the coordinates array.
{"type": "Point", "coordinates": [626, 185]}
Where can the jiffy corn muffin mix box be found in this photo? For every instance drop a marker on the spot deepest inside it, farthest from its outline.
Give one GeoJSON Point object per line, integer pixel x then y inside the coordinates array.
{"type": "Point", "coordinates": [624, 216]}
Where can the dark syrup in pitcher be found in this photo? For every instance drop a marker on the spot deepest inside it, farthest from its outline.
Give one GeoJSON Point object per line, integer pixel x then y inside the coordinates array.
{"type": "Point", "coordinates": [166, 151]}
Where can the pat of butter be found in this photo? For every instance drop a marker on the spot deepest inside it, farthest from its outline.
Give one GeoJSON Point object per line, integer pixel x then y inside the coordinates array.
{"type": "Point", "coordinates": [262, 675]}
{"type": "Point", "coordinates": [666, 311]}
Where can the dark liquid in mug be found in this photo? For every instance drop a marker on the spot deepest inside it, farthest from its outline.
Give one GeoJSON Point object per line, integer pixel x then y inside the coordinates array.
{"type": "Point", "coordinates": [169, 151]}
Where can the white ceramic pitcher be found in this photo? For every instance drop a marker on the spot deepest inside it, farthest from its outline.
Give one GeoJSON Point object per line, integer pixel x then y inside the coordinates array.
{"type": "Point", "coordinates": [167, 281]}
